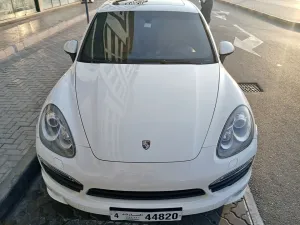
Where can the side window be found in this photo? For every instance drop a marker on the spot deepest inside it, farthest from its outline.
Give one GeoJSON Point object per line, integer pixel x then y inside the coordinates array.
{"type": "Point", "coordinates": [93, 46]}
{"type": "Point", "coordinates": [89, 42]}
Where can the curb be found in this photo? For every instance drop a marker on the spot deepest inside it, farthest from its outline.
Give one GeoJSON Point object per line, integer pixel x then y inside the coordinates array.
{"type": "Point", "coordinates": [252, 208]}
{"type": "Point", "coordinates": [267, 16]}
{"type": "Point", "coordinates": [27, 42]}
{"type": "Point", "coordinates": [18, 181]}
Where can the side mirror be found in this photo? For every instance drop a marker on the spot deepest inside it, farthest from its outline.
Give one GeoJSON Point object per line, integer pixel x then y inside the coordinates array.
{"type": "Point", "coordinates": [226, 48]}
{"type": "Point", "coordinates": [70, 48]}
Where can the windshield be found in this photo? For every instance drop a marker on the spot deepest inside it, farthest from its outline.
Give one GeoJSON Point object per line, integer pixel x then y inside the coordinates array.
{"type": "Point", "coordinates": [147, 37]}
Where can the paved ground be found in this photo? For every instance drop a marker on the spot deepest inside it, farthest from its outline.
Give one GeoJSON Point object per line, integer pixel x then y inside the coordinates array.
{"type": "Point", "coordinates": [25, 82]}
{"type": "Point", "coordinates": [286, 9]}
{"type": "Point", "coordinates": [17, 32]}
{"type": "Point", "coordinates": [276, 175]}
{"type": "Point", "coordinates": [22, 89]}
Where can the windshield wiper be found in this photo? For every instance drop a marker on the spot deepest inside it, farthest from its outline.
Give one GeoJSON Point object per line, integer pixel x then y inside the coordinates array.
{"type": "Point", "coordinates": [179, 61]}
{"type": "Point", "coordinates": [145, 61]}
{"type": "Point", "coordinates": [164, 61]}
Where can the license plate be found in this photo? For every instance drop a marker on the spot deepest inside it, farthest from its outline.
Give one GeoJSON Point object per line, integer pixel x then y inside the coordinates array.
{"type": "Point", "coordinates": [146, 215]}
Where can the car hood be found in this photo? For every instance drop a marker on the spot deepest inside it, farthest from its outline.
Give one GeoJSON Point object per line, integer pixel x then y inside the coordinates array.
{"type": "Point", "coordinates": [170, 106]}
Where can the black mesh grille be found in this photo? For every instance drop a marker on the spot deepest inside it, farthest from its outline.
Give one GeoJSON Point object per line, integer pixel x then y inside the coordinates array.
{"type": "Point", "coordinates": [231, 178]}
{"type": "Point", "coordinates": [137, 195]}
{"type": "Point", "coordinates": [61, 178]}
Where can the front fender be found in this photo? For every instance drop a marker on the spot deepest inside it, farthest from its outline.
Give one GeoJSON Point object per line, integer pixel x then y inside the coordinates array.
{"type": "Point", "coordinates": [63, 95]}
{"type": "Point", "coordinates": [229, 97]}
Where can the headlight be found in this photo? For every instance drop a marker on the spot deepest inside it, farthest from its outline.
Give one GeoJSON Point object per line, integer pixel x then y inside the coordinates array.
{"type": "Point", "coordinates": [55, 133]}
{"type": "Point", "coordinates": [237, 133]}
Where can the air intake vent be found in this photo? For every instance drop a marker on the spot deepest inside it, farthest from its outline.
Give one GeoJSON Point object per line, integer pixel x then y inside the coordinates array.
{"type": "Point", "coordinates": [250, 87]}
{"type": "Point", "coordinates": [137, 195]}
{"type": "Point", "coordinates": [60, 177]}
{"type": "Point", "coordinates": [231, 177]}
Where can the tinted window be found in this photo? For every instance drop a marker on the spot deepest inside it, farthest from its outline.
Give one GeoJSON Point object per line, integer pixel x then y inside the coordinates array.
{"type": "Point", "coordinates": [147, 37]}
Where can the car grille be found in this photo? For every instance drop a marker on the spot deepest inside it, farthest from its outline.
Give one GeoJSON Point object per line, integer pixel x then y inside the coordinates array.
{"type": "Point", "coordinates": [231, 178]}
{"type": "Point", "coordinates": [61, 177]}
{"type": "Point", "coordinates": [144, 195]}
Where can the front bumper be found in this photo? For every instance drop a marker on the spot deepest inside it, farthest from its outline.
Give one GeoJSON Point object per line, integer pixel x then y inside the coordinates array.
{"type": "Point", "coordinates": [198, 173]}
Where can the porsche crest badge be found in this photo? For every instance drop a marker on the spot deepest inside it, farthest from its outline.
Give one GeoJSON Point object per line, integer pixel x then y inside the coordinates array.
{"type": "Point", "coordinates": [146, 144]}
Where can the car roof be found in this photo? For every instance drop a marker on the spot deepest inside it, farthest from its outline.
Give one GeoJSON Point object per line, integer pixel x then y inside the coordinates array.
{"type": "Point", "coordinates": [148, 5]}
